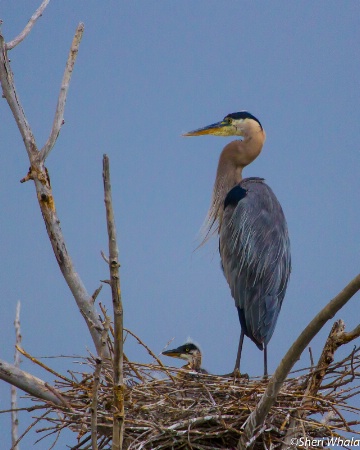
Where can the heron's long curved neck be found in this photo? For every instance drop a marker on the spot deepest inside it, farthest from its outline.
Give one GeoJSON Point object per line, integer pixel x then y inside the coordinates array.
{"type": "Point", "coordinates": [228, 175]}
{"type": "Point", "coordinates": [234, 157]}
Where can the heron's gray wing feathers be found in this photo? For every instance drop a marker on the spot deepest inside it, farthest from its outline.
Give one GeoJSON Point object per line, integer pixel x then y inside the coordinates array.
{"type": "Point", "coordinates": [255, 253]}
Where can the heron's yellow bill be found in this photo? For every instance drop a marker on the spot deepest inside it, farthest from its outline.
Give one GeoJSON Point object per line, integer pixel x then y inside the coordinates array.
{"type": "Point", "coordinates": [222, 128]}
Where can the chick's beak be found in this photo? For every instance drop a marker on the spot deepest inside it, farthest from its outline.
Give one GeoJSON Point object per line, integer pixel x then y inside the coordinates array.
{"type": "Point", "coordinates": [174, 353]}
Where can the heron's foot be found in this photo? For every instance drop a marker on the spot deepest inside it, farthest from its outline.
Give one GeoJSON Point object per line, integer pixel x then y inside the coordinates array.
{"type": "Point", "coordinates": [235, 374]}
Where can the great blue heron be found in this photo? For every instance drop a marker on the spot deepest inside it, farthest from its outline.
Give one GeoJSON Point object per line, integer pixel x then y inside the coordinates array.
{"type": "Point", "coordinates": [253, 236]}
{"type": "Point", "coordinates": [191, 353]}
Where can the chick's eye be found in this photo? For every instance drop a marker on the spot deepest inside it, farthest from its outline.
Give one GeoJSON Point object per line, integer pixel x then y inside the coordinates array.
{"type": "Point", "coordinates": [187, 349]}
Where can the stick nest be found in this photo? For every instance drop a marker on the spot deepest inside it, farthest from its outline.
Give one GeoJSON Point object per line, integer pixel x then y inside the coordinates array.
{"type": "Point", "coordinates": [167, 408]}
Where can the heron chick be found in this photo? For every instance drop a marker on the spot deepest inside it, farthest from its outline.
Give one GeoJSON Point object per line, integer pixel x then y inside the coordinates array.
{"type": "Point", "coordinates": [254, 242]}
{"type": "Point", "coordinates": [190, 353]}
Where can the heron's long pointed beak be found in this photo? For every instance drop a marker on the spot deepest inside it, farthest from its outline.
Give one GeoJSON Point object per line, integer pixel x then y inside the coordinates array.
{"type": "Point", "coordinates": [222, 128]}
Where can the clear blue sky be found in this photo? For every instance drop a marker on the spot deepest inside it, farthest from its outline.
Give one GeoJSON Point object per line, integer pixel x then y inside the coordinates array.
{"type": "Point", "coordinates": [146, 72]}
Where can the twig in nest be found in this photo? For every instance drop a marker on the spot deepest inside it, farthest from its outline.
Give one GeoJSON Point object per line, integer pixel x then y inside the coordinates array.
{"type": "Point", "coordinates": [199, 411]}
{"type": "Point", "coordinates": [148, 350]}
{"type": "Point", "coordinates": [39, 363]}
{"type": "Point", "coordinates": [311, 358]}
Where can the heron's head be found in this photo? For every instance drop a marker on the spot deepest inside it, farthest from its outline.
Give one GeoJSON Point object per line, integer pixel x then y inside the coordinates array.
{"type": "Point", "coordinates": [235, 124]}
{"type": "Point", "coordinates": [189, 352]}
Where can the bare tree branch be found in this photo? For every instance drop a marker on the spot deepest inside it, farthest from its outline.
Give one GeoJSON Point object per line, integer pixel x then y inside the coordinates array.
{"type": "Point", "coordinates": [9, 92]}
{"type": "Point", "coordinates": [326, 358]}
{"type": "Point", "coordinates": [27, 383]}
{"type": "Point", "coordinates": [14, 413]}
{"type": "Point", "coordinates": [258, 416]}
{"type": "Point", "coordinates": [28, 27]}
{"type": "Point", "coordinates": [94, 404]}
{"type": "Point", "coordinates": [97, 373]}
{"type": "Point", "coordinates": [119, 412]}
{"type": "Point", "coordinates": [336, 338]}
{"type": "Point", "coordinates": [39, 174]}
{"type": "Point", "coordinates": [59, 115]}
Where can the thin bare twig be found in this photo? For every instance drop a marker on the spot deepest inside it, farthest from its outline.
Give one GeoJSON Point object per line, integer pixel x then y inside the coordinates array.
{"type": "Point", "coordinates": [29, 428]}
{"type": "Point", "coordinates": [38, 13]}
{"type": "Point", "coordinates": [59, 115]}
{"type": "Point", "coordinates": [59, 396]}
{"type": "Point", "coordinates": [258, 416]}
{"type": "Point", "coordinates": [96, 293]}
{"type": "Point", "coordinates": [14, 412]}
{"type": "Point", "coordinates": [311, 358]}
{"type": "Point", "coordinates": [151, 353]}
{"type": "Point", "coordinates": [104, 257]}
{"type": "Point", "coordinates": [119, 411]}
{"type": "Point", "coordinates": [41, 364]}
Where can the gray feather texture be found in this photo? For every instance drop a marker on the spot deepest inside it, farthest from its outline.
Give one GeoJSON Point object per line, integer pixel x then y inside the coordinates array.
{"type": "Point", "coordinates": [255, 253]}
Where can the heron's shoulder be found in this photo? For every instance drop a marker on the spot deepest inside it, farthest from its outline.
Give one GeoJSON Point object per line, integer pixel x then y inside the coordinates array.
{"type": "Point", "coordinates": [246, 191]}
{"type": "Point", "coordinates": [241, 190]}
{"type": "Point", "coordinates": [256, 186]}
{"type": "Point", "coordinates": [252, 180]}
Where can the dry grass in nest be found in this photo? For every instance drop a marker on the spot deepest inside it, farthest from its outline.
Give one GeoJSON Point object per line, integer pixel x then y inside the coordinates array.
{"type": "Point", "coordinates": [167, 408]}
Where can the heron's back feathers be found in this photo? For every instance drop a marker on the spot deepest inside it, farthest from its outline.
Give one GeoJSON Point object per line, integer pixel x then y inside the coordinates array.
{"type": "Point", "coordinates": [255, 253]}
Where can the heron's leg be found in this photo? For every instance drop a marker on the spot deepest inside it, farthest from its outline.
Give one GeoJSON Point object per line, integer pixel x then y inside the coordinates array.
{"type": "Point", "coordinates": [241, 341]}
{"type": "Point", "coordinates": [265, 361]}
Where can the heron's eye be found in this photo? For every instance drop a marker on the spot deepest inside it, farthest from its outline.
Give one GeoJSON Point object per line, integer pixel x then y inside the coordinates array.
{"type": "Point", "coordinates": [228, 120]}
{"type": "Point", "coordinates": [187, 349]}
